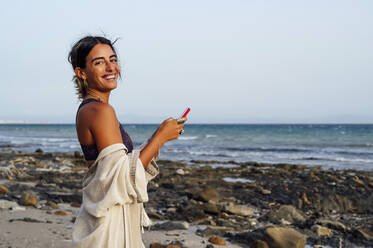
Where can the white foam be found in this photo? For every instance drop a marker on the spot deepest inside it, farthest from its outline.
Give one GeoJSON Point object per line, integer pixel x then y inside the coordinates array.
{"type": "Point", "coordinates": [211, 136]}
{"type": "Point", "coordinates": [188, 137]}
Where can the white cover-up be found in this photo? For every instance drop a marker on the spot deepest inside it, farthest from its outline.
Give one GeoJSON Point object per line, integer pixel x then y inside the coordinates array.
{"type": "Point", "coordinates": [114, 189]}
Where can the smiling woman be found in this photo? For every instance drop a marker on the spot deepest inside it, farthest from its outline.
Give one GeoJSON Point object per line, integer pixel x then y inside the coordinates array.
{"type": "Point", "coordinates": [83, 57]}
{"type": "Point", "coordinates": [114, 189]}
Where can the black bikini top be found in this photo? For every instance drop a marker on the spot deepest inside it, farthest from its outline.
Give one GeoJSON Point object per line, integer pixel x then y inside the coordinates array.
{"type": "Point", "coordinates": [90, 151]}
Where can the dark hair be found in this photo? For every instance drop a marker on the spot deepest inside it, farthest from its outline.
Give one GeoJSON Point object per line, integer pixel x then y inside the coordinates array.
{"type": "Point", "coordinates": [78, 55]}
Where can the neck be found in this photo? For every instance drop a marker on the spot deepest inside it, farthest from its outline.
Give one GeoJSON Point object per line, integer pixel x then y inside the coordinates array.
{"type": "Point", "coordinates": [102, 96]}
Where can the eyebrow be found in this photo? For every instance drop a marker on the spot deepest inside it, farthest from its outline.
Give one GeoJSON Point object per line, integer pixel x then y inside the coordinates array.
{"type": "Point", "coordinates": [114, 55]}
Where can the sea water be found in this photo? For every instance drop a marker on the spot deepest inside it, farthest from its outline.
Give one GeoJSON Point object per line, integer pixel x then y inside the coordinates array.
{"type": "Point", "coordinates": [337, 146]}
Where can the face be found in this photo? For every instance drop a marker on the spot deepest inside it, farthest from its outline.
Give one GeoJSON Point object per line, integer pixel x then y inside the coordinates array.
{"type": "Point", "coordinates": [102, 69]}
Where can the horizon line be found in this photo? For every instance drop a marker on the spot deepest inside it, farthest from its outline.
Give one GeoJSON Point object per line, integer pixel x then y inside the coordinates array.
{"type": "Point", "coordinates": [200, 123]}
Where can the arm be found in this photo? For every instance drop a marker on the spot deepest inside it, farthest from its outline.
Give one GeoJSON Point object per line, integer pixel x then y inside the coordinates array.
{"type": "Point", "coordinates": [167, 131]}
{"type": "Point", "coordinates": [105, 130]}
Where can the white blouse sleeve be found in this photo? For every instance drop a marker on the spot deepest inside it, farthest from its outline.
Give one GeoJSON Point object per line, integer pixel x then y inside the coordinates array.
{"type": "Point", "coordinates": [116, 178]}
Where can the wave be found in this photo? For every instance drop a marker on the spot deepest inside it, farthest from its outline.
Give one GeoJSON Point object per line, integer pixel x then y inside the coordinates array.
{"type": "Point", "coordinates": [263, 149]}
{"type": "Point", "coordinates": [210, 136]}
{"type": "Point", "coordinates": [202, 153]}
{"type": "Point", "coordinates": [188, 137]}
{"type": "Point", "coordinates": [360, 145]}
{"type": "Point", "coordinates": [336, 159]}
{"type": "Point", "coordinates": [354, 153]}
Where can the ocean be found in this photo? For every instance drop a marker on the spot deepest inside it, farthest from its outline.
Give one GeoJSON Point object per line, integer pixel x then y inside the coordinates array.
{"type": "Point", "coordinates": [338, 146]}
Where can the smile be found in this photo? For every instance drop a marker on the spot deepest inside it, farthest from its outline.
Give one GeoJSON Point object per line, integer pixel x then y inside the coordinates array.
{"type": "Point", "coordinates": [109, 77]}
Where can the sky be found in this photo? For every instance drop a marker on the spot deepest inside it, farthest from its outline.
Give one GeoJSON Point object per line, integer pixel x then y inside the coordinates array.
{"type": "Point", "coordinates": [236, 61]}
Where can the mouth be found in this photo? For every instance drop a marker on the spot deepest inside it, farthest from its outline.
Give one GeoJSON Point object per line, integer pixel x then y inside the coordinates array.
{"type": "Point", "coordinates": [109, 77]}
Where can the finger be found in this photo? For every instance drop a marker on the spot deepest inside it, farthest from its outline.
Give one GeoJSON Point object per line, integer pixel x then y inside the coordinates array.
{"type": "Point", "coordinates": [180, 121]}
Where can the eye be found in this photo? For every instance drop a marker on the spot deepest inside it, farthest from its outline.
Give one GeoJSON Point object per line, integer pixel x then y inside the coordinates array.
{"type": "Point", "coordinates": [114, 60]}
{"type": "Point", "coordinates": [99, 62]}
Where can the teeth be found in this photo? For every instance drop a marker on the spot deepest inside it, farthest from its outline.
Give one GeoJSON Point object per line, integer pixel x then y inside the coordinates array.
{"type": "Point", "coordinates": [110, 77]}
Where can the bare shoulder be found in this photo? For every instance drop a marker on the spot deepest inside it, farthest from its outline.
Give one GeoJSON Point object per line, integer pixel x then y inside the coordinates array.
{"type": "Point", "coordinates": [97, 113]}
{"type": "Point", "coordinates": [100, 119]}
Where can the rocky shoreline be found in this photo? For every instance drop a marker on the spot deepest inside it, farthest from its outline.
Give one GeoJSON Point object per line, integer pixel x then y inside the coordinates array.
{"type": "Point", "coordinates": [248, 204]}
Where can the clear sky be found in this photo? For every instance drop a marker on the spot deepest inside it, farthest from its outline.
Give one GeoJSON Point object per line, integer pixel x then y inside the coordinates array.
{"type": "Point", "coordinates": [247, 61]}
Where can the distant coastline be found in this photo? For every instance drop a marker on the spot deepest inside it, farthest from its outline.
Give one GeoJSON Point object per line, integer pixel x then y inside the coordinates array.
{"type": "Point", "coordinates": [25, 122]}
{"type": "Point", "coordinates": [196, 123]}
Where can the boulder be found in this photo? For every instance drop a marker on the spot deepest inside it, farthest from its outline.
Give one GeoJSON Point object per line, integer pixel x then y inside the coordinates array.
{"type": "Point", "coordinates": [28, 199]}
{"type": "Point", "coordinates": [259, 244]}
{"type": "Point", "coordinates": [5, 205]}
{"type": "Point", "coordinates": [281, 237]}
{"type": "Point", "coordinates": [156, 245]}
{"type": "Point", "coordinates": [53, 205]}
{"type": "Point", "coordinates": [215, 230]}
{"type": "Point", "coordinates": [211, 208]}
{"type": "Point", "coordinates": [171, 225]}
{"type": "Point", "coordinates": [364, 234]}
{"type": "Point", "coordinates": [180, 172]}
{"type": "Point", "coordinates": [209, 195]}
{"type": "Point", "coordinates": [287, 213]}
{"type": "Point", "coordinates": [336, 225]}
{"type": "Point", "coordinates": [62, 213]}
{"type": "Point", "coordinates": [217, 241]}
{"type": "Point", "coordinates": [3, 190]}
{"type": "Point", "coordinates": [77, 154]}
{"type": "Point", "coordinates": [239, 210]}
{"type": "Point", "coordinates": [322, 231]}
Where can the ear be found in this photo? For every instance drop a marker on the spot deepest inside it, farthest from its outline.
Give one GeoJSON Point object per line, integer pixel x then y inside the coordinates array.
{"type": "Point", "coordinates": [80, 73]}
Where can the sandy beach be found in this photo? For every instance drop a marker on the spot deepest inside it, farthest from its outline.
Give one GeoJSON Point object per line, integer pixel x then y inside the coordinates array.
{"type": "Point", "coordinates": [246, 205]}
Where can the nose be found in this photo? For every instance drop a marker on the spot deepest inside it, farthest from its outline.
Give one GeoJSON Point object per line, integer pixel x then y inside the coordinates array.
{"type": "Point", "coordinates": [109, 66]}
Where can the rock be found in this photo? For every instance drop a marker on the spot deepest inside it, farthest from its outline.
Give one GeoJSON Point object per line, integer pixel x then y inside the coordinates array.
{"type": "Point", "coordinates": [77, 154]}
{"type": "Point", "coordinates": [172, 246]}
{"type": "Point", "coordinates": [75, 204]}
{"type": "Point", "coordinates": [180, 172]}
{"type": "Point", "coordinates": [171, 210]}
{"type": "Point", "coordinates": [3, 189]}
{"type": "Point", "coordinates": [65, 196]}
{"type": "Point", "coordinates": [364, 234]}
{"type": "Point", "coordinates": [156, 245]}
{"type": "Point", "coordinates": [281, 237]}
{"type": "Point", "coordinates": [265, 192]}
{"type": "Point", "coordinates": [209, 195]}
{"type": "Point", "coordinates": [217, 240]}
{"type": "Point", "coordinates": [215, 230]}
{"type": "Point", "coordinates": [337, 203]}
{"type": "Point", "coordinates": [239, 210]}
{"type": "Point", "coordinates": [336, 225]}
{"type": "Point", "coordinates": [62, 213]}
{"type": "Point", "coordinates": [28, 199]}
{"type": "Point", "coordinates": [39, 150]}
{"type": "Point", "coordinates": [259, 244]}
{"type": "Point", "coordinates": [152, 213]}
{"type": "Point", "coordinates": [52, 205]}
{"type": "Point", "coordinates": [18, 208]}
{"type": "Point", "coordinates": [288, 213]}
{"type": "Point", "coordinates": [305, 199]}
{"type": "Point", "coordinates": [357, 180]}
{"type": "Point", "coordinates": [322, 231]}
{"type": "Point", "coordinates": [63, 205]}
{"type": "Point", "coordinates": [211, 208]}
{"type": "Point", "coordinates": [172, 225]}
{"type": "Point", "coordinates": [5, 205]}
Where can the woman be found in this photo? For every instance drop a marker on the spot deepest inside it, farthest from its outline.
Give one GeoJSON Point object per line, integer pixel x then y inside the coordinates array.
{"type": "Point", "coordinates": [114, 189]}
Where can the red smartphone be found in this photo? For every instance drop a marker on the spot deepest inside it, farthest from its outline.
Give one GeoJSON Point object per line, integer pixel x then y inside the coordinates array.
{"type": "Point", "coordinates": [183, 115]}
